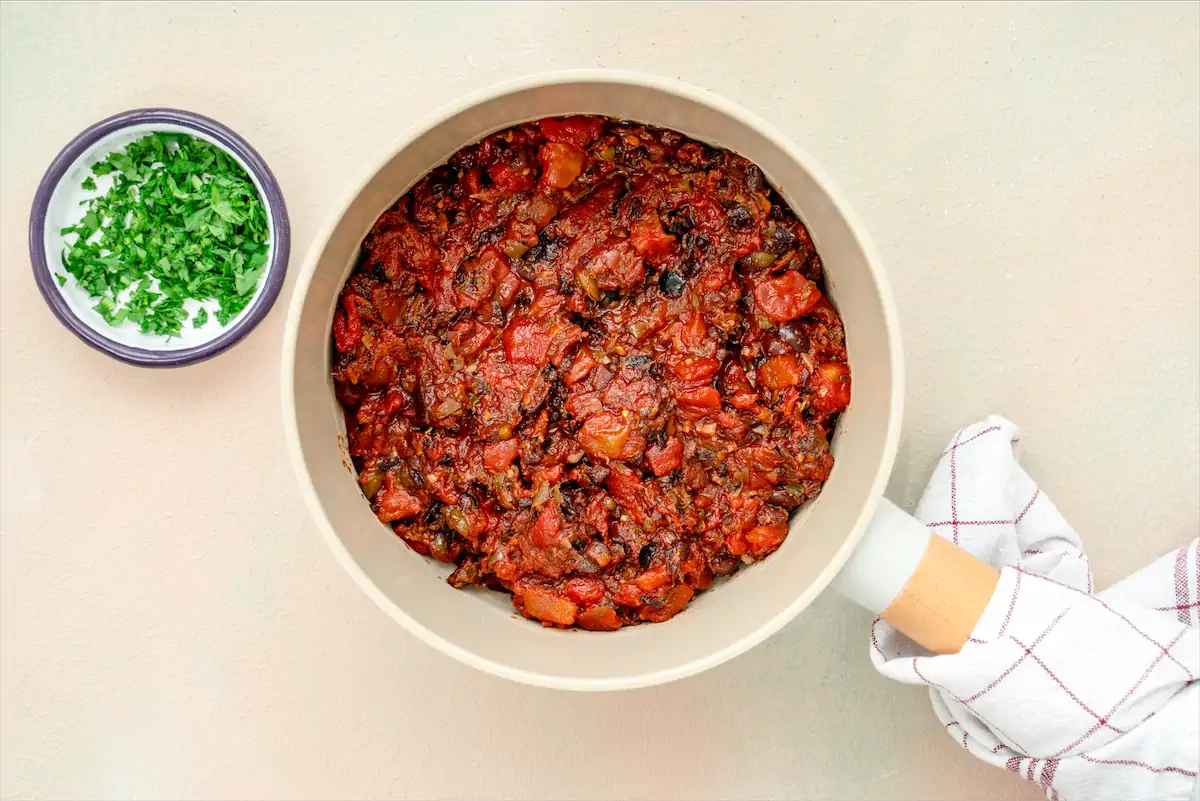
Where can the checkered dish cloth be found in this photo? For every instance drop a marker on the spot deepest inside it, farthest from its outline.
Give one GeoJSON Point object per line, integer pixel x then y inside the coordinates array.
{"type": "Point", "coordinates": [1090, 695]}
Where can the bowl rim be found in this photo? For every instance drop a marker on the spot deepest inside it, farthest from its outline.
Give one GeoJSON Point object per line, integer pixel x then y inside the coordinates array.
{"type": "Point", "coordinates": [231, 142]}
{"type": "Point", "coordinates": [639, 80]}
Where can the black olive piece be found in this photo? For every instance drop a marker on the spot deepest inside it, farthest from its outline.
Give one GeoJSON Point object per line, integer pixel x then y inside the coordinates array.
{"type": "Point", "coordinates": [753, 178]}
{"type": "Point", "coordinates": [678, 222]}
{"type": "Point", "coordinates": [723, 564]}
{"type": "Point", "coordinates": [795, 337]}
{"type": "Point", "coordinates": [671, 283]}
{"type": "Point", "coordinates": [639, 361]}
{"type": "Point", "coordinates": [566, 284]}
{"type": "Point", "coordinates": [646, 555]}
{"type": "Point", "coordinates": [677, 227]}
{"type": "Point", "coordinates": [597, 473]}
{"type": "Point", "coordinates": [739, 217]}
{"type": "Point", "coordinates": [388, 462]}
{"type": "Point", "coordinates": [781, 242]}
{"type": "Point", "coordinates": [611, 296]}
{"type": "Point", "coordinates": [545, 250]}
{"type": "Point", "coordinates": [635, 208]}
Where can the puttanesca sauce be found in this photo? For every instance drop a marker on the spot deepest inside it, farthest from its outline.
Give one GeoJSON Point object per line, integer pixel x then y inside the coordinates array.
{"type": "Point", "coordinates": [589, 362]}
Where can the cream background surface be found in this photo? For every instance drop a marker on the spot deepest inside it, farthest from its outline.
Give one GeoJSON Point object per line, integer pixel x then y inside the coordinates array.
{"type": "Point", "coordinates": [173, 626]}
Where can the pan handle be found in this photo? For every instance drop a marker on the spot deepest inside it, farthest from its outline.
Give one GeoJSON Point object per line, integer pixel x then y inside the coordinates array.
{"type": "Point", "coordinates": [924, 585]}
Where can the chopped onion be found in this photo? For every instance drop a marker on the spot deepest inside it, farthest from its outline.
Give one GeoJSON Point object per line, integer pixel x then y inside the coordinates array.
{"type": "Point", "coordinates": [457, 520]}
{"type": "Point", "coordinates": [589, 284]}
{"type": "Point", "coordinates": [514, 249]}
{"type": "Point", "coordinates": [447, 408]}
{"type": "Point", "coordinates": [371, 481]}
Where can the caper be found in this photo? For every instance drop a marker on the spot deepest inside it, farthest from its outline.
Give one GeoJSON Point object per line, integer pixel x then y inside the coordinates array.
{"type": "Point", "coordinates": [761, 260]}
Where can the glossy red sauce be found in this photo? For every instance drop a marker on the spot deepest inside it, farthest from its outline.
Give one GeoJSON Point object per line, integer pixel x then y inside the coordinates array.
{"type": "Point", "coordinates": [589, 362]}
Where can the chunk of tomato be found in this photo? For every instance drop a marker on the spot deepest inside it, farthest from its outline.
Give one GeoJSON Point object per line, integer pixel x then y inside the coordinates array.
{"type": "Point", "coordinates": [664, 459]}
{"type": "Point", "coordinates": [584, 590]}
{"type": "Point", "coordinates": [764, 539]}
{"type": "Point", "coordinates": [469, 337]}
{"type": "Point", "coordinates": [736, 387]}
{"type": "Point", "coordinates": [626, 489]}
{"type": "Point", "coordinates": [781, 372]}
{"type": "Point", "coordinates": [693, 368]}
{"type": "Point", "coordinates": [649, 238]}
{"type": "Point", "coordinates": [653, 578]}
{"type": "Point", "coordinates": [561, 164]}
{"type": "Point", "coordinates": [599, 618]}
{"type": "Point", "coordinates": [831, 387]}
{"type": "Point", "coordinates": [675, 601]}
{"type": "Point", "coordinates": [700, 398]}
{"type": "Point", "coordinates": [545, 531]}
{"type": "Point", "coordinates": [580, 366]}
{"type": "Point", "coordinates": [526, 341]}
{"type": "Point", "coordinates": [548, 606]}
{"type": "Point", "coordinates": [347, 325]}
{"type": "Point", "coordinates": [604, 435]}
{"type": "Point", "coordinates": [786, 297]}
{"type": "Point", "coordinates": [497, 456]}
{"type": "Point", "coordinates": [393, 502]}
{"type": "Point", "coordinates": [511, 178]}
{"type": "Point", "coordinates": [577, 131]}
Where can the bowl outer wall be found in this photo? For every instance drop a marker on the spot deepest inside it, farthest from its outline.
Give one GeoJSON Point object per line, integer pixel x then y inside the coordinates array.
{"type": "Point", "coordinates": [469, 627]}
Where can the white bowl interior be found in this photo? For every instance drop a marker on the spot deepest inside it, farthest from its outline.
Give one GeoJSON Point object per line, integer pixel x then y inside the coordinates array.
{"type": "Point", "coordinates": [65, 208]}
{"type": "Point", "coordinates": [480, 626]}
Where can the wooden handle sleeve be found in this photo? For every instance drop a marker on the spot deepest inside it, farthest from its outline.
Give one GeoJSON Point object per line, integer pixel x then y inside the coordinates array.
{"type": "Point", "coordinates": [944, 598]}
{"type": "Point", "coordinates": [925, 586]}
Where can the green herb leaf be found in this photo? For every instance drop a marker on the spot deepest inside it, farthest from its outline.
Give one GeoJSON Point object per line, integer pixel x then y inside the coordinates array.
{"type": "Point", "coordinates": [181, 220]}
{"type": "Point", "coordinates": [196, 219]}
{"type": "Point", "coordinates": [247, 281]}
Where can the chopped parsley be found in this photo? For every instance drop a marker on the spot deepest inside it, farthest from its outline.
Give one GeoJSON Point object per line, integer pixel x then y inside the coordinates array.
{"type": "Point", "coordinates": [181, 220]}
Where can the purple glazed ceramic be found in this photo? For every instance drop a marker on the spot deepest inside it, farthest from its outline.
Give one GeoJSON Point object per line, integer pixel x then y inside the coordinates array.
{"type": "Point", "coordinates": [57, 199]}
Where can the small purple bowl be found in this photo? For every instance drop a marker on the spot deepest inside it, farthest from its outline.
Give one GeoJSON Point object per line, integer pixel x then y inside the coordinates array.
{"type": "Point", "coordinates": [56, 205]}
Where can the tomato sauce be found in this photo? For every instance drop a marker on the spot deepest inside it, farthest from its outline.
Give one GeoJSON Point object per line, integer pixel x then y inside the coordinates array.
{"type": "Point", "coordinates": [590, 363]}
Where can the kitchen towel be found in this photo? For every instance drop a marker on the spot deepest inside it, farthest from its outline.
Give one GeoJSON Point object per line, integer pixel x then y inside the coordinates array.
{"type": "Point", "coordinates": [1091, 695]}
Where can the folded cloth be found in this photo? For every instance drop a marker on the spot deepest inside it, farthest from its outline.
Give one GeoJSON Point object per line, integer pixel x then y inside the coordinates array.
{"type": "Point", "coordinates": [1090, 695]}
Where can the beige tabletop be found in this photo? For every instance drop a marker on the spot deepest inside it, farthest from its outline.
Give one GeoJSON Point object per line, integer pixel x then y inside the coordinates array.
{"type": "Point", "coordinates": [174, 627]}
